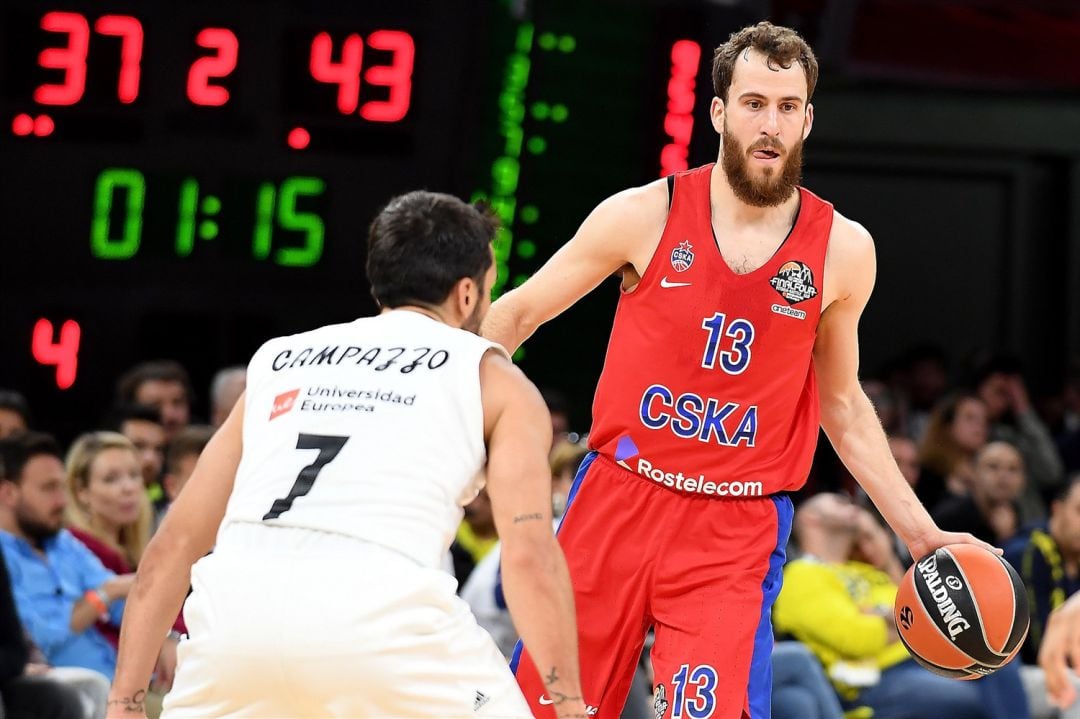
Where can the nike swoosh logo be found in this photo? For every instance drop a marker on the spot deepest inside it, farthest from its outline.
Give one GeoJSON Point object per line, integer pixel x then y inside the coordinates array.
{"type": "Point", "coordinates": [664, 283]}
{"type": "Point", "coordinates": [545, 700]}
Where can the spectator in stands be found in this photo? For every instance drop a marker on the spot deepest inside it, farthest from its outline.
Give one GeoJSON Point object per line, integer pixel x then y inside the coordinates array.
{"type": "Point", "coordinates": [957, 429]}
{"type": "Point", "coordinates": [142, 425]}
{"type": "Point", "coordinates": [163, 384]}
{"type": "Point", "coordinates": [1048, 560]}
{"type": "Point", "coordinates": [990, 511]}
{"type": "Point", "coordinates": [1068, 437]}
{"type": "Point", "coordinates": [60, 587]}
{"type": "Point", "coordinates": [566, 457]}
{"type": "Point", "coordinates": [225, 389]}
{"type": "Point", "coordinates": [109, 512]}
{"type": "Point", "coordinates": [14, 413]}
{"type": "Point", "coordinates": [842, 609]}
{"type": "Point", "coordinates": [921, 380]}
{"type": "Point", "coordinates": [1001, 387]}
{"type": "Point", "coordinates": [476, 536]}
{"type": "Point", "coordinates": [800, 688]}
{"type": "Point", "coordinates": [182, 456]}
{"type": "Point", "coordinates": [26, 689]}
{"type": "Point", "coordinates": [559, 409]}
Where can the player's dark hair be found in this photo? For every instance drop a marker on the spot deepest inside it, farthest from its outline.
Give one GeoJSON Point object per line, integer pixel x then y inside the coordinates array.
{"type": "Point", "coordinates": [781, 45]}
{"type": "Point", "coordinates": [422, 243]}
{"type": "Point", "coordinates": [17, 451]}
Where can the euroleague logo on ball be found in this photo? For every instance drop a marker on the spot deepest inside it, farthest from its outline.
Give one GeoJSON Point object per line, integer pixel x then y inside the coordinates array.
{"type": "Point", "coordinates": [907, 617]}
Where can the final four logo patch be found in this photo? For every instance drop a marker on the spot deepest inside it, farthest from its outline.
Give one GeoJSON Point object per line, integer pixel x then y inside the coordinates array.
{"type": "Point", "coordinates": [795, 282]}
{"type": "Point", "coordinates": [682, 256]}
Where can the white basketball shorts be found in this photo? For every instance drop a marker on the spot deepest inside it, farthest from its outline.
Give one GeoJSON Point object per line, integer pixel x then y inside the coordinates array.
{"type": "Point", "coordinates": [290, 622]}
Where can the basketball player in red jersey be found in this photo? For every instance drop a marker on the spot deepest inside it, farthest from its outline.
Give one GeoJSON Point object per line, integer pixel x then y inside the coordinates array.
{"type": "Point", "coordinates": [735, 337]}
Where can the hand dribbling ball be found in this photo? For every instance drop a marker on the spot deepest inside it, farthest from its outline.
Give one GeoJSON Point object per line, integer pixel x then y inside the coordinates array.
{"type": "Point", "coordinates": [962, 611]}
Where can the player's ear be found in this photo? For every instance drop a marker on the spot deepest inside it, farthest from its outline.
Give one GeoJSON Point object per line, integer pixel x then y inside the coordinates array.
{"type": "Point", "coordinates": [808, 121]}
{"type": "Point", "coordinates": [716, 114]}
{"type": "Point", "coordinates": [466, 295]}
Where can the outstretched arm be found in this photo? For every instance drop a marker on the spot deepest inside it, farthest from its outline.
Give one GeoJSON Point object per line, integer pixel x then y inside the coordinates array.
{"type": "Point", "coordinates": [164, 575]}
{"type": "Point", "coordinates": [624, 228]}
{"type": "Point", "coordinates": [847, 416]}
{"type": "Point", "coordinates": [535, 578]}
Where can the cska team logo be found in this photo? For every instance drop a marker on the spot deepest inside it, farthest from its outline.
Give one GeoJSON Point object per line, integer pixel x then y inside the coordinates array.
{"type": "Point", "coordinates": [795, 282]}
{"type": "Point", "coordinates": [682, 256]}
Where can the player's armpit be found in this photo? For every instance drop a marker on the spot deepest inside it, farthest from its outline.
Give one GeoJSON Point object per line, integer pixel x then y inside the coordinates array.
{"type": "Point", "coordinates": [617, 232]}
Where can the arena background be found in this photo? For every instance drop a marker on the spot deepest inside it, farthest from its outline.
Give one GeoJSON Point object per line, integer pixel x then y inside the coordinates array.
{"type": "Point", "coordinates": [158, 202]}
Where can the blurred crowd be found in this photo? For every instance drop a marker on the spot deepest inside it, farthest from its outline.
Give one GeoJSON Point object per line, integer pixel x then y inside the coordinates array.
{"type": "Point", "coordinates": [982, 454]}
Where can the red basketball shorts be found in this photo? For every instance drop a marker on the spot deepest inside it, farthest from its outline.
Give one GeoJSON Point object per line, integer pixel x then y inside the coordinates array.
{"type": "Point", "coordinates": [703, 572]}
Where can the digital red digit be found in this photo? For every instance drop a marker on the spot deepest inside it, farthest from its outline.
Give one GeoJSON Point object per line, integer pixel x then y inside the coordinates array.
{"type": "Point", "coordinates": [131, 32]}
{"type": "Point", "coordinates": [397, 76]}
{"type": "Point", "coordinates": [218, 65]}
{"type": "Point", "coordinates": [62, 354]}
{"type": "Point", "coordinates": [345, 74]}
{"type": "Point", "coordinates": [71, 59]}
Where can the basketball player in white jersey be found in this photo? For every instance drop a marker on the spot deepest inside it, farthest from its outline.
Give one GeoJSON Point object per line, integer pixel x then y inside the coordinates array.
{"type": "Point", "coordinates": [331, 494]}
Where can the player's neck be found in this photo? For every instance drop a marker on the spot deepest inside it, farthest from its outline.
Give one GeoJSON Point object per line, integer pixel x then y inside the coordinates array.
{"type": "Point", "coordinates": [727, 207]}
{"type": "Point", "coordinates": [434, 312]}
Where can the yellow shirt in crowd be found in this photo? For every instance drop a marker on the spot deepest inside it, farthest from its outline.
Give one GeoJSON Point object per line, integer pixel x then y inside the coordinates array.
{"type": "Point", "coordinates": [838, 610]}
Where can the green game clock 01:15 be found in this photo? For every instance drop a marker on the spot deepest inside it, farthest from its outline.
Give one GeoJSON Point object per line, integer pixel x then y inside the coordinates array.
{"type": "Point", "coordinates": [279, 222]}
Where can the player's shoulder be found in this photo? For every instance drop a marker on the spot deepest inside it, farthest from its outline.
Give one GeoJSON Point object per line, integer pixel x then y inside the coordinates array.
{"type": "Point", "coordinates": [636, 205]}
{"type": "Point", "coordinates": [849, 241]}
{"type": "Point", "coordinates": [502, 382]}
{"type": "Point", "coordinates": [849, 232]}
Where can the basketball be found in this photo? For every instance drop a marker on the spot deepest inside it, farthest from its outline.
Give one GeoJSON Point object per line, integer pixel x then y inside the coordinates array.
{"type": "Point", "coordinates": [962, 612]}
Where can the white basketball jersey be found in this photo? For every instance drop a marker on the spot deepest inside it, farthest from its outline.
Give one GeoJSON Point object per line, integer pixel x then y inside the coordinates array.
{"type": "Point", "coordinates": [372, 429]}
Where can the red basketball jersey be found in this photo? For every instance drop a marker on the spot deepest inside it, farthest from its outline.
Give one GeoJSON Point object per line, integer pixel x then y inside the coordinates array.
{"type": "Point", "coordinates": [708, 386]}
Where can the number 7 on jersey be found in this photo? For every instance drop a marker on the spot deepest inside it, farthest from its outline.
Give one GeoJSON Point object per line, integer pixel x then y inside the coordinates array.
{"type": "Point", "coordinates": [328, 445]}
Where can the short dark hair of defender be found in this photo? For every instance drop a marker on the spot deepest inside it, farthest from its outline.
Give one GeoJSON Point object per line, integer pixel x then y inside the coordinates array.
{"type": "Point", "coordinates": [161, 370]}
{"type": "Point", "coordinates": [422, 243]}
{"type": "Point", "coordinates": [782, 45]}
{"type": "Point", "coordinates": [16, 451]}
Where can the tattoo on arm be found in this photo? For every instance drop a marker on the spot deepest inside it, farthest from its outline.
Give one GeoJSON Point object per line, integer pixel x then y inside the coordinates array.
{"type": "Point", "coordinates": [528, 517]}
{"type": "Point", "coordinates": [134, 703]}
{"type": "Point", "coordinates": [552, 677]}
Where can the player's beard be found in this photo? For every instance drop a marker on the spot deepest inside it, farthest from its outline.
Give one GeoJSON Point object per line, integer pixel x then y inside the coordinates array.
{"type": "Point", "coordinates": [772, 189]}
{"type": "Point", "coordinates": [473, 321]}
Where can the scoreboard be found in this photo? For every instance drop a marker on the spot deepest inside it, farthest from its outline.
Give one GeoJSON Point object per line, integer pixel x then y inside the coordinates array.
{"type": "Point", "coordinates": [186, 180]}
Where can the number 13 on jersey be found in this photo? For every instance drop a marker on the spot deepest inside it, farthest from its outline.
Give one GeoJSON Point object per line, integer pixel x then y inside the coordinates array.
{"type": "Point", "coordinates": [741, 334]}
